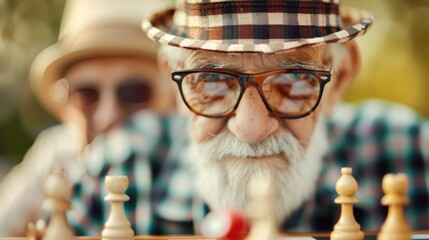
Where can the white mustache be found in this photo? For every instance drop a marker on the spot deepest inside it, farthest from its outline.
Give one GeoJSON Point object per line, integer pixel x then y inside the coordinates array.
{"type": "Point", "coordinates": [226, 145]}
{"type": "Point", "coordinates": [223, 182]}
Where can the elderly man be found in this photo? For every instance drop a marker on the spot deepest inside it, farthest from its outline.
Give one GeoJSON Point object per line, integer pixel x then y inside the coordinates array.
{"type": "Point", "coordinates": [262, 80]}
{"type": "Point", "coordinates": [102, 70]}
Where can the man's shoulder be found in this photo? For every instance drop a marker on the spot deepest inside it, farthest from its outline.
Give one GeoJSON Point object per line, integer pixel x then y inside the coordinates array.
{"type": "Point", "coordinates": [61, 136]}
{"type": "Point", "coordinates": [375, 138]}
{"type": "Point", "coordinates": [378, 133]}
{"type": "Point", "coordinates": [373, 115]}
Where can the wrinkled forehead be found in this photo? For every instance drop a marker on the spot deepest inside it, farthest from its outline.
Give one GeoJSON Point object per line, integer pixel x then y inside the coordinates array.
{"type": "Point", "coordinates": [307, 58]}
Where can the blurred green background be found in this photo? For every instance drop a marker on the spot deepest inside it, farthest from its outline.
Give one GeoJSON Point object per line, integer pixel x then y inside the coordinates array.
{"type": "Point", "coordinates": [395, 55]}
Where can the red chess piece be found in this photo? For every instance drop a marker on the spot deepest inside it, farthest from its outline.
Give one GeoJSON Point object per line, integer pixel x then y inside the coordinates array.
{"type": "Point", "coordinates": [225, 224]}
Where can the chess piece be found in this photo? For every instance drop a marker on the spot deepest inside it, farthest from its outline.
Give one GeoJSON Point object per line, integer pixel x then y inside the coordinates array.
{"type": "Point", "coordinates": [346, 228]}
{"type": "Point", "coordinates": [35, 232]}
{"type": "Point", "coordinates": [225, 224]}
{"type": "Point", "coordinates": [58, 192]}
{"type": "Point", "coordinates": [261, 209]}
{"type": "Point", "coordinates": [395, 226]}
{"type": "Point", "coordinates": [117, 225]}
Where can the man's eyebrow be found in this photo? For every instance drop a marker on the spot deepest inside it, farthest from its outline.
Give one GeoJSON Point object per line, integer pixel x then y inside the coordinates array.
{"type": "Point", "coordinates": [296, 63]}
{"type": "Point", "coordinates": [304, 60]}
{"type": "Point", "coordinates": [301, 60]}
{"type": "Point", "coordinates": [283, 63]}
{"type": "Point", "coordinates": [198, 61]}
{"type": "Point", "coordinates": [211, 65]}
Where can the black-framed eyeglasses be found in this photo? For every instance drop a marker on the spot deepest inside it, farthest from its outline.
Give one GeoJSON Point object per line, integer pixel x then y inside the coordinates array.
{"type": "Point", "coordinates": [286, 93]}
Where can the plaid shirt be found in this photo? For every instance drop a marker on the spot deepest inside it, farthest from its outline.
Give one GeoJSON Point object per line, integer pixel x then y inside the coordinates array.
{"type": "Point", "coordinates": [159, 186]}
{"type": "Point", "coordinates": [374, 138]}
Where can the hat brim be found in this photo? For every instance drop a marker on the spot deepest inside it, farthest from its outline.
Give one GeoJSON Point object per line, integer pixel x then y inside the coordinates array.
{"type": "Point", "coordinates": [356, 21]}
{"type": "Point", "coordinates": [50, 65]}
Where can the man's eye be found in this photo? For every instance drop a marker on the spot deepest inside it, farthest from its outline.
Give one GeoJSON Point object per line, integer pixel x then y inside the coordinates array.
{"type": "Point", "coordinates": [212, 87]}
{"type": "Point", "coordinates": [212, 77]}
{"type": "Point", "coordinates": [291, 77]}
{"type": "Point", "coordinates": [297, 76]}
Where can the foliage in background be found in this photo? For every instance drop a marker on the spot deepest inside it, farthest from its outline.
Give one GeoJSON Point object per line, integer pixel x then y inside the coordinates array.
{"type": "Point", "coordinates": [27, 26]}
{"type": "Point", "coordinates": [395, 53]}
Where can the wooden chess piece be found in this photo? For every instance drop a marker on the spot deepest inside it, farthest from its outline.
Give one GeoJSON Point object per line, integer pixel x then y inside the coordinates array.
{"type": "Point", "coordinates": [346, 228]}
{"type": "Point", "coordinates": [35, 232]}
{"type": "Point", "coordinates": [395, 226]}
{"type": "Point", "coordinates": [261, 209]}
{"type": "Point", "coordinates": [31, 232]}
{"type": "Point", "coordinates": [117, 225]}
{"type": "Point", "coordinates": [58, 192]}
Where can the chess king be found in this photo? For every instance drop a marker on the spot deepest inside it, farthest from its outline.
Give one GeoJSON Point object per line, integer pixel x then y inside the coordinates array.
{"type": "Point", "coordinates": [262, 82]}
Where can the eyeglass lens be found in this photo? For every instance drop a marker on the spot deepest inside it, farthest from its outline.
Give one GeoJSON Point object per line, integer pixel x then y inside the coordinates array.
{"type": "Point", "coordinates": [291, 94]}
{"type": "Point", "coordinates": [216, 94]}
{"type": "Point", "coordinates": [211, 93]}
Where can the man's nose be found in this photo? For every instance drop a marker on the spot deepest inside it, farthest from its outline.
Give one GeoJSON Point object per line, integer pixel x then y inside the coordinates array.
{"type": "Point", "coordinates": [107, 114]}
{"type": "Point", "coordinates": [252, 122]}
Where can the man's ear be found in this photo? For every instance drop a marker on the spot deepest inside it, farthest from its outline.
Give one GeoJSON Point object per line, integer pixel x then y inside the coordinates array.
{"type": "Point", "coordinates": [165, 68]}
{"type": "Point", "coordinates": [346, 70]}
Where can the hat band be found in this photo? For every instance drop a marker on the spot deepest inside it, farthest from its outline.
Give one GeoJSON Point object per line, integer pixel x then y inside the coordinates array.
{"type": "Point", "coordinates": [253, 22]}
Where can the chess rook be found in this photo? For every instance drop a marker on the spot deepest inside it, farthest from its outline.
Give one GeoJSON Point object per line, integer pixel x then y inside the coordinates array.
{"type": "Point", "coordinates": [117, 225]}
{"type": "Point", "coordinates": [58, 192]}
{"type": "Point", "coordinates": [346, 228]}
{"type": "Point", "coordinates": [395, 226]}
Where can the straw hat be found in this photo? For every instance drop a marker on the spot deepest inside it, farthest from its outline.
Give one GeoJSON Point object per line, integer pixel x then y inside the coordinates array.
{"type": "Point", "coordinates": [255, 26]}
{"type": "Point", "coordinates": [92, 28]}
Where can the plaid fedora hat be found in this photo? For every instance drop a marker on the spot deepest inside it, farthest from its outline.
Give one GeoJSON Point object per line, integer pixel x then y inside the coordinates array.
{"type": "Point", "coordinates": [255, 25]}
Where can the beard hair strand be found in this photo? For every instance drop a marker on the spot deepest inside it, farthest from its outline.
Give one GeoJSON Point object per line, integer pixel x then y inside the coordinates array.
{"type": "Point", "coordinates": [225, 165]}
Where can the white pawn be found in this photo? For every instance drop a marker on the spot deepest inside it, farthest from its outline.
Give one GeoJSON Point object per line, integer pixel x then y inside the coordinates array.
{"type": "Point", "coordinates": [58, 192]}
{"type": "Point", "coordinates": [36, 231]}
{"type": "Point", "coordinates": [261, 209]}
{"type": "Point", "coordinates": [395, 226]}
{"type": "Point", "coordinates": [346, 228]}
{"type": "Point", "coordinates": [117, 226]}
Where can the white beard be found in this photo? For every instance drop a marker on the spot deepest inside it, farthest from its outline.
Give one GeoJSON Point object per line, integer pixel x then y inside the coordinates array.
{"type": "Point", "coordinates": [223, 181]}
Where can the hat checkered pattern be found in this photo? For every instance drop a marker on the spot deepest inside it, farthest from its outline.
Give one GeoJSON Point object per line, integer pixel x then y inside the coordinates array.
{"type": "Point", "coordinates": [254, 26]}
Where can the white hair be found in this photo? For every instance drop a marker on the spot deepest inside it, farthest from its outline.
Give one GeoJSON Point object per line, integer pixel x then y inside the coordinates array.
{"type": "Point", "coordinates": [224, 166]}
{"type": "Point", "coordinates": [176, 56]}
{"type": "Point", "coordinates": [337, 52]}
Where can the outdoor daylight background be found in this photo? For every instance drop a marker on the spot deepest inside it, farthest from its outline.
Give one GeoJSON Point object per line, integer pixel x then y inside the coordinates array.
{"type": "Point", "coordinates": [395, 54]}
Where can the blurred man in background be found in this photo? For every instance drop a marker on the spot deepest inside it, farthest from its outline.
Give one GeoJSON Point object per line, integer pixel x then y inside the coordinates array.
{"type": "Point", "coordinates": [101, 71]}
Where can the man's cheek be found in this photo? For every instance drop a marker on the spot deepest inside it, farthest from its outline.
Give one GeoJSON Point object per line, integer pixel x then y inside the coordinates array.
{"type": "Point", "coordinates": [204, 129]}
{"type": "Point", "coordinates": [303, 128]}
{"type": "Point", "coordinates": [181, 106]}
